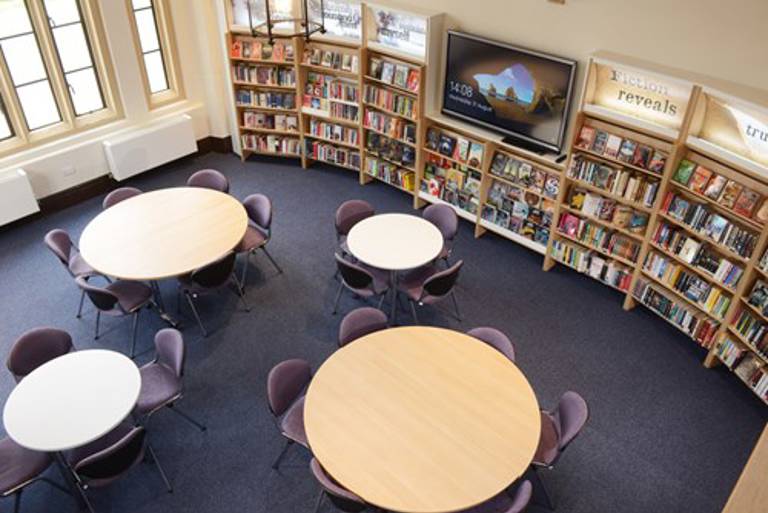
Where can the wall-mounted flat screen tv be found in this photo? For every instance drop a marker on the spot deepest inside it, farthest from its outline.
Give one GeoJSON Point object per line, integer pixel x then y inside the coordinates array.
{"type": "Point", "coordinates": [520, 93]}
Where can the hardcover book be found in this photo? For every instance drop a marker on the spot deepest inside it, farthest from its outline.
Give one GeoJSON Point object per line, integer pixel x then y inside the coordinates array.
{"type": "Point", "coordinates": [475, 154]}
{"type": "Point", "coordinates": [700, 179]}
{"type": "Point", "coordinates": [433, 139]}
{"type": "Point", "coordinates": [498, 164]}
{"type": "Point", "coordinates": [612, 146]}
{"type": "Point", "coordinates": [715, 187]}
{"type": "Point", "coordinates": [515, 224]}
{"type": "Point", "coordinates": [657, 162]}
{"type": "Point", "coordinates": [586, 137]}
{"type": "Point", "coordinates": [401, 76]}
{"type": "Point", "coordinates": [461, 150]}
{"type": "Point", "coordinates": [413, 80]}
{"type": "Point", "coordinates": [447, 145]}
{"type": "Point", "coordinates": [730, 194]}
{"type": "Point", "coordinates": [684, 172]}
{"type": "Point", "coordinates": [552, 186]}
{"type": "Point", "coordinates": [488, 213]}
{"type": "Point", "coordinates": [627, 150]}
{"type": "Point", "coordinates": [746, 203]}
{"type": "Point", "coordinates": [601, 140]}
{"type": "Point", "coordinates": [642, 156]}
{"type": "Point", "coordinates": [511, 170]}
{"type": "Point", "coordinates": [387, 72]}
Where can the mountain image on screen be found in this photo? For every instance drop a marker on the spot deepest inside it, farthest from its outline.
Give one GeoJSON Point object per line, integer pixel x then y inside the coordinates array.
{"type": "Point", "coordinates": [515, 88]}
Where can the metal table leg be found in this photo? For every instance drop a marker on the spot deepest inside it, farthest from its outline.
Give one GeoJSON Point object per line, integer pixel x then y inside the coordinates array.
{"type": "Point", "coordinates": [393, 286]}
{"type": "Point", "coordinates": [69, 478]}
{"type": "Point", "coordinates": [158, 303]}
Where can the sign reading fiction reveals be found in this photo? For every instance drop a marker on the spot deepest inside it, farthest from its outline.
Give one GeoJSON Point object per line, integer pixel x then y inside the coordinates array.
{"type": "Point", "coordinates": [647, 97]}
{"type": "Point", "coordinates": [736, 130]}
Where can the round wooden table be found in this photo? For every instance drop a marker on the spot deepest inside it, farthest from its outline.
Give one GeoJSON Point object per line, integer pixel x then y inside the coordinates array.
{"type": "Point", "coordinates": [163, 234]}
{"type": "Point", "coordinates": [72, 400]}
{"type": "Point", "coordinates": [395, 242]}
{"type": "Point", "coordinates": [422, 420]}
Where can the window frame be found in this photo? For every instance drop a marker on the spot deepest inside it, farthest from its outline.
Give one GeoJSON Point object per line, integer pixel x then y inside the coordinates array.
{"type": "Point", "coordinates": [166, 38]}
{"type": "Point", "coordinates": [70, 123]}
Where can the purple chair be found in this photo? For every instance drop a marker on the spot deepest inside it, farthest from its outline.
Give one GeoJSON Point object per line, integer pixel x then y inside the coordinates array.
{"type": "Point", "coordinates": [348, 215]}
{"type": "Point", "coordinates": [428, 285]}
{"type": "Point", "coordinates": [496, 339]}
{"type": "Point", "coordinates": [34, 348]}
{"type": "Point", "coordinates": [506, 502]}
{"type": "Point", "coordinates": [558, 429]}
{"type": "Point", "coordinates": [59, 242]}
{"type": "Point", "coordinates": [161, 379]}
{"type": "Point", "coordinates": [364, 281]}
{"type": "Point", "coordinates": [259, 231]}
{"type": "Point", "coordinates": [118, 195]}
{"type": "Point", "coordinates": [342, 498]}
{"type": "Point", "coordinates": [446, 220]}
{"type": "Point", "coordinates": [19, 468]}
{"type": "Point", "coordinates": [207, 280]}
{"type": "Point", "coordinates": [286, 384]}
{"type": "Point", "coordinates": [209, 179]}
{"type": "Point", "coordinates": [361, 322]}
{"type": "Point", "coordinates": [118, 299]}
{"type": "Point", "coordinates": [106, 460]}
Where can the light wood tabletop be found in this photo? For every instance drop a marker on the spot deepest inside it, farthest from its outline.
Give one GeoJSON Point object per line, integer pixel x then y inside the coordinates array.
{"type": "Point", "coordinates": [72, 400]}
{"type": "Point", "coordinates": [164, 233]}
{"type": "Point", "coordinates": [750, 495]}
{"type": "Point", "coordinates": [395, 242]}
{"type": "Point", "coordinates": [422, 420]}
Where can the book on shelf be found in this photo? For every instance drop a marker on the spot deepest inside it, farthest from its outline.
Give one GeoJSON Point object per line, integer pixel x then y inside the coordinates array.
{"type": "Point", "coordinates": [390, 149]}
{"type": "Point", "coordinates": [265, 99]}
{"type": "Point", "coordinates": [592, 264]}
{"type": "Point", "coordinates": [453, 183]}
{"type": "Point", "coordinates": [325, 152]}
{"type": "Point", "coordinates": [391, 101]}
{"type": "Point", "coordinates": [519, 172]}
{"type": "Point", "coordinates": [758, 297]}
{"type": "Point", "coordinates": [260, 75]}
{"type": "Point", "coordinates": [334, 131]}
{"type": "Point", "coordinates": [397, 74]}
{"type": "Point", "coordinates": [702, 220]}
{"type": "Point", "coordinates": [753, 372]}
{"type": "Point", "coordinates": [257, 50]}
{"type": "Point", "coordinates": [267, 121]}
{"type": "Point", "coordinates": [701, 329]}
{"type": "Point", "coordinates": [619, 182]}
{"type": "Point", "coordinates": [730, 352]}
{"type": "Point", "coordinates": [598, 237]}
{"type": "Point", "coordinates": [281, 145]}
{"type": "Point", "coordinates": [390, 173]}
{"type": "Point", "coordinates": [746, 203]}
{"type": "Point", "coordinates": [700, 180]}
{"type": "Point", "coordinates": [626, 150]}
{"type": "Point", "coordinates": [331, 59]}
{"type": "Point", "coordinates": [394, 127]}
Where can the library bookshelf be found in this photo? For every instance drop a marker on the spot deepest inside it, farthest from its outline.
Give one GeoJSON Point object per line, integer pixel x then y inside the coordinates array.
{"type": "Point", "coordinates": [266, 90]}
{"type": "Point", "coordinates": [393, 102]}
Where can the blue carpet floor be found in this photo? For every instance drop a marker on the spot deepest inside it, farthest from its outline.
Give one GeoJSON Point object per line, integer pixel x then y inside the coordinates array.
{"type": "Point", "coordinates": [665, 435]}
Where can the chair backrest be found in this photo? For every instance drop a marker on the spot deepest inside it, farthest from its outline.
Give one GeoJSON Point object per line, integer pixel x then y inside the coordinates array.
{"type": "Point", "coordinates": [571, 415]}
{"type": "Point", "coordinates": [209, 179]}
{"type": "Point", "coordinates": [216, 273]}
{"type": "Point", "coordinates": [353, 275]}
{"type": "Point", "coordinates": [350, 213]}
{"type": "Point", "coordinates": [101, 298]}
{"type": "Point", "coordinates": [118, 195]}
{"type": "Point", "coordinates": [259, 208]}
{"type": "Point", "coordinates": [521, 498]}
{"type": "Point", "coordinates": [285, 383]}
{"type": "Point", "coordinates": [359, 323]}
{"type": "Point", "coordinates": [341, 497]}
{"type": "Point", "coordinates": [495, 339]}
{"type": "Point", "coordinates": [169, 346]}
{"type": "Point", "coordinates": [109, 464]}
{"type": "Point", "coordinates": [442, 283]}
{"type": "Point", "coordinates": [35, 347]}
{"type": "Point", "coordinates": [59, 242]}
{"type": "Point", "coordinates": [444, 218]}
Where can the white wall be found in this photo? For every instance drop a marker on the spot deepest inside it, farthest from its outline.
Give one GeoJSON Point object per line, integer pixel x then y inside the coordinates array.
{"type": "Point", "coordinates": [77, 159]}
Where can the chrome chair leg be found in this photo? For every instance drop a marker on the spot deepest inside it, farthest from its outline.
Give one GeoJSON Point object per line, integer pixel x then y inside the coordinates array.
{"type": "Point", "coordinates": [319, 501]}
{"type": "Point", "coordinates": [135, 329]}
{"type": "Point", "coordinates": [241, 293]}
{"type": "Point", "coordinates": [413, 310]}
{"type": "Point", "coordinates": [538, 485]}
{"type": "Point", "coordinates": [288, 444]}
{"type": "Point", "coordinates": [80, 308]}
{"type": "Point", "coordinates": [98, 318]}
{"type": "Point", "coordinates": [197, 316]}
{"type": "Point", "coordinates": [338, 297]}
{"type": "Point", "coordinates": [159, 468]}
{"type": "Point", "coordinates": [279, 270]}
{"type": "Point", "coordinates": [245, 268]}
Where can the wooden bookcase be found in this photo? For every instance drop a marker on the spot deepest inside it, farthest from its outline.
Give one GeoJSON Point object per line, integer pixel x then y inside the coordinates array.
{"type": "Point", "coordinates": [392, 120]}
{"type": "Point", "coordinates": [266, 91]}
{"type": "Point", "coordinates": [331, 107]}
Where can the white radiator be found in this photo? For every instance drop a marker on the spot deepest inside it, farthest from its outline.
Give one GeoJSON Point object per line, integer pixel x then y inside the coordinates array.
{"type": "Point", "coordinates": [140, 150]}
{"type": "Point", "coordinates": [16, 197]}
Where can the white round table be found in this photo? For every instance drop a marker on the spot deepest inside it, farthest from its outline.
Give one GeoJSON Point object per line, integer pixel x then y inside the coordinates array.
{"type": "Point", "coordinates": [72, 400]}
{"type": "Point", "coordinates": [395, 242]}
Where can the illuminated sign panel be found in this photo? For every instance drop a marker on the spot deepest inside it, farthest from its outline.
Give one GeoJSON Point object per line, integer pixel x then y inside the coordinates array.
{"type": "Point", "coordinates": [736, 130]}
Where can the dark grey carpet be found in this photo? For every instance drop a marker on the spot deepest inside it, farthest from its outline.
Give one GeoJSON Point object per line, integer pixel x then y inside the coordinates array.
{"type": "Point", "coordinates": [666, 435]}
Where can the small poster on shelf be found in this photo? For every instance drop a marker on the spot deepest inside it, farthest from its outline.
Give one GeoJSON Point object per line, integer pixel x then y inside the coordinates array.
{"type": "Point", "coordinates": [401, 31]}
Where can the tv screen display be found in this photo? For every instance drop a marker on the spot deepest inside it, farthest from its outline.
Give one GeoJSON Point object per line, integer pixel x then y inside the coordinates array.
{"type": "Point", "coordinates": [518, 92]}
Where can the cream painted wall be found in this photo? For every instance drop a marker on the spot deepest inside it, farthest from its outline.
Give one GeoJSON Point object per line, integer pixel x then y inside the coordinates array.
{"type": "Point", "coordinates": [77, 159]}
